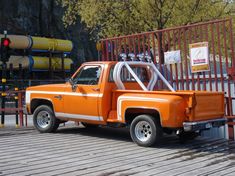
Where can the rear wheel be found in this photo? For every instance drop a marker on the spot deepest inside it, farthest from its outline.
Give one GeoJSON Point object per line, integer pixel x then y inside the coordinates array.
{"type": "Point", "coordinates": [44, 119]}
{"type": "Point", "coordinates": [146, 130]}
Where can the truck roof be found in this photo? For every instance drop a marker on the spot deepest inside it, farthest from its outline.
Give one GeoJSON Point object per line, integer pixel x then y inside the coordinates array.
{"type": "Point", "coordinates": [101, 62]}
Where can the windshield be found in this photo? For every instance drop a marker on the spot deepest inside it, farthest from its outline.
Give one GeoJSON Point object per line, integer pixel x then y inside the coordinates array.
{"type": "Point", "coordinates": [88, 75]}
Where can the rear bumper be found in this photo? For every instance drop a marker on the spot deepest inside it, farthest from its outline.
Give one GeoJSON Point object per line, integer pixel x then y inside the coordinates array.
{"type": "Point", "coordinates": [203, 125]}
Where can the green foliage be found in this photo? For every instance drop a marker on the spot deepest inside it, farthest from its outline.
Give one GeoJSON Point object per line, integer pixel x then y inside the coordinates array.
{"type": "Point", "coordinates": [106, 18]}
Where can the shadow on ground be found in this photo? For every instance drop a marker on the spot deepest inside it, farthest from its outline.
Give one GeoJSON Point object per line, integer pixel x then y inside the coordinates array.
{"type": "Point", "coordinates": [121, 134]}
{"type": "Point", "coordinates": [168, 141]}
{"type": "Point", "coordinates": [193, 147]}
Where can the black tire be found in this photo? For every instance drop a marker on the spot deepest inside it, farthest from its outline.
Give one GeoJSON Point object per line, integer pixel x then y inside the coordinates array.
{"type": "Point", "coordinates": [146, 130]}
{"type": "Point", "coordinates": [44, 119]}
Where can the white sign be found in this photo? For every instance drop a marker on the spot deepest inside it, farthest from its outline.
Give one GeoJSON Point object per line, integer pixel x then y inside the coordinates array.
{"type": "Point", "coordinates": [199, 57]}
{"type": "Point", "coordinates": [172, 57]}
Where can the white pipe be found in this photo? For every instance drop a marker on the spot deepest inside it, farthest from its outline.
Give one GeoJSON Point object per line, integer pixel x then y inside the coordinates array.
{"type": "Point", "coordinates": [156, 70]}
{"type": "Point", "coordinates": [119, 79]}
{"type": "Point", "coordinates": [116, 75]}
{"type": "Point", "coordinates": [151, 80]}
{"type": "Point", "coordinates": [154, 80]}
{"type": "Point", "coordinates": [136, 77]}
{"type": "Point", "coordinates": [162, 78]}
{"type": "Point", "coordinates": [155, 74]}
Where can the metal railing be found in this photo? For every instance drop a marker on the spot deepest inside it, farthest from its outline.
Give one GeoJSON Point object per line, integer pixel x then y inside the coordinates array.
{"type": "Point", "coordinates": [218, 34]}
{"type": "Point", "coordinates": [17, 98]}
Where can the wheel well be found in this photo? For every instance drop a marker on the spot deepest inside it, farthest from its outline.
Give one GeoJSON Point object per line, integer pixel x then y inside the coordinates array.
{"type": "Point", "coordinates": [131, 113]}
{"type": "Point", "coordinates": [37, 102]}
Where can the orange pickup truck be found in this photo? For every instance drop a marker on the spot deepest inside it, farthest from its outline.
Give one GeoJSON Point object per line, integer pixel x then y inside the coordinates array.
{"type": "Point", "coordinates": [125, 94]}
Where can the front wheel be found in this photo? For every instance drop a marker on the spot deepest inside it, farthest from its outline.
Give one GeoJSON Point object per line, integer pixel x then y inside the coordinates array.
{"type": "Point", "coordinates": [146, 130]}
{"type": "Point", "coordinates": [44, 119]}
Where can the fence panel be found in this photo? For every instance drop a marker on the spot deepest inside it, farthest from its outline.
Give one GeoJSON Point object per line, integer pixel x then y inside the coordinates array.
{"type": "Point", "coordinates": [219, 36]}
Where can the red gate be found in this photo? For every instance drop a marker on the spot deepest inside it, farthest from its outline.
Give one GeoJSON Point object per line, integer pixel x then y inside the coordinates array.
{"type": "Point", "coordinates": [219, 36]}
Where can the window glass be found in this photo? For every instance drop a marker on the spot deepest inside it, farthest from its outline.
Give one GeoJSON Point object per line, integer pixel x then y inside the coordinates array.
{"type": "Point", "coordinates": [141, 72]}
{"type": "Point", "coordinates": [88, 75]}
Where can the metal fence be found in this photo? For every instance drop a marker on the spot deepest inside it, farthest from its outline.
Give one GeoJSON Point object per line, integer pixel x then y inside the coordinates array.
{"type": "Point", "coordinates": [12, 103]}
{"type": "Point", "coordinates": [219, 36]}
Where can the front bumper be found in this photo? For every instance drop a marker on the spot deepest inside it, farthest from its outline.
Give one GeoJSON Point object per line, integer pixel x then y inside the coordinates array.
{"type": "Point", "coordinates": [203, 125]}
{"type": "Point", "coordinates": [26, 110]}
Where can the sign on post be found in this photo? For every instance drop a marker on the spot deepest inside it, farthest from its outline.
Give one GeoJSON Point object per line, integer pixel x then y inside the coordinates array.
{"type": "Point", "coordinates": [172, 57]}
{"type": "Point", "coordinates": [199, 57]}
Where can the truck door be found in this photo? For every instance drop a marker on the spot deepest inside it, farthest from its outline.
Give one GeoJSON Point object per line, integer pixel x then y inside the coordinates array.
{"type": "Point", "coordinates": [81, 99]}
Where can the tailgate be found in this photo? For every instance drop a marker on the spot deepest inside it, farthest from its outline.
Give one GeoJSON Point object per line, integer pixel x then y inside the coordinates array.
{"type": "Point", "coordinates": [207, 106]}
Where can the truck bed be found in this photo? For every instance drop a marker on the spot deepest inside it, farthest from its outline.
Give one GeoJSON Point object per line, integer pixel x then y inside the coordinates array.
{"type": "Point", "coordinates": [200, 105]}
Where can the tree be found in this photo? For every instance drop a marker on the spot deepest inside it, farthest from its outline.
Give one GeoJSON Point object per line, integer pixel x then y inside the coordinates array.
{"type": "Point", "coordinates": [106, 18]}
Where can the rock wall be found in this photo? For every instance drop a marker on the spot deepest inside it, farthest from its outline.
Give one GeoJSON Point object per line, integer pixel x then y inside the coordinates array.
{"type": "Point", "coordinates": [44, 18]}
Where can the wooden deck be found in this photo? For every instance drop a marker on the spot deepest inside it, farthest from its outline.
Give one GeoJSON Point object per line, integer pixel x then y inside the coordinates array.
{"type": "Point", "coordinates": [109, 152]}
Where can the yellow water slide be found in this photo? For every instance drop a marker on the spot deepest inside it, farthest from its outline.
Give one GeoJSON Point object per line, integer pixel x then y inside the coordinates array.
{"type": "Point", "coordinates": [39, 43]}
{"type": "Point", "coordinates": [42, 63]}
{"type": "Point", "coordinates": [37, 63]}
{"type": "Point", "coordinates": [42, 43]}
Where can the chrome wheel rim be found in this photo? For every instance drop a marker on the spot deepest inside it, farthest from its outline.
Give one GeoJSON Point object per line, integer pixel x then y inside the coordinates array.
{"type": "Point", "coordinates": [143, 131]}
{"type": "Point", "coordinates": [43, 119]}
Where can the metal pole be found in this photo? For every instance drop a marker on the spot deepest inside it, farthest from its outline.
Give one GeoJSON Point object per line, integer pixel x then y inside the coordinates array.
{"type": "Point", "coordinates": [62, 65]}
{"type": "Point", "coordinates": [3, 88]}
{"type": "Point", "coordinates": [50, 65]}
{"type": "Point", "coordinates": [20, 76]}
{"type": "Point", "coordinates": [20, 105]}
{"type": "Point", "coordinates": [16, 105]}
{"type": "Point", "coordinates": [3, 94]}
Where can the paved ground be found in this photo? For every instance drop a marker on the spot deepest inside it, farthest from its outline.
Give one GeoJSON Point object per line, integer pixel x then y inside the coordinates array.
{"type": "Point", "coordinates": [109, 152]}
{"type": "Point", "coordinates": [10, 120]}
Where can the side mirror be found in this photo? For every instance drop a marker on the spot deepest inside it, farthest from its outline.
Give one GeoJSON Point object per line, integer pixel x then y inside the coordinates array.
{"type": "Point", "coordinates": [71, 81]}
{"type": "Point", "coordinates": [74, 86]}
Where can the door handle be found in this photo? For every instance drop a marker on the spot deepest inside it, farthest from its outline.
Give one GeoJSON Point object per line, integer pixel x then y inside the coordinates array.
{"type": "Point", "coordinates": [58, 96]}
{"type": "Point", "coordinates": [96, 89]}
